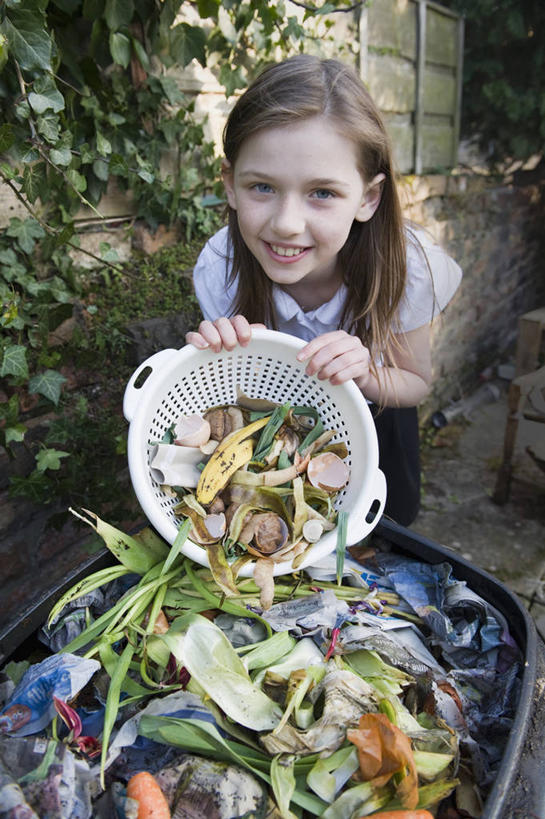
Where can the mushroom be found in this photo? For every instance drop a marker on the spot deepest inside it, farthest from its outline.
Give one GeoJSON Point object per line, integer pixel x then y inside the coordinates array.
{"type": "Point", "coordinates": [236, 416]}
{"type": "Point", "coordinates": [209, 447]}
{"type": "Point", "coordinates": [191, 430]}
{"type": "Point", "coordinates": [221, 423]}
{"type": "Point", "coordinates": [270, 533]}
{"type": "Point", "coordinates": [290, 439]}
{"type": "Point", "coordinates": [264, 580]}
{"type": "Point", "coordinates": [312, 530]}
{"type": "Point", "coordinates": [216, 506]}
{"type": "Point", "coordinates": [215, 525]}
{"type": "Point", "coordinates": [327, 471]}
{"type": "Point", "coordinates": [206, 530]}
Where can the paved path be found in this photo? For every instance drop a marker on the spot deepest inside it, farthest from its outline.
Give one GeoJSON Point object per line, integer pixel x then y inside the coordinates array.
{"type": "Point", "coordinates": [459, 476]}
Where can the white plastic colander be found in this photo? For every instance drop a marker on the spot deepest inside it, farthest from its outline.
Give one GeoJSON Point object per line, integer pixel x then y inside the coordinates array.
{"type": "Point", "coordinates": [173, 383]}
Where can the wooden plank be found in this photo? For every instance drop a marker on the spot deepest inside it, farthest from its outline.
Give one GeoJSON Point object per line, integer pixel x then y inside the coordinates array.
{"type": "Point", "coordinates": [531, 327]}
{"type": "Point", "coordinates": [363, 34]}
{"type": "Point", "coordinates": [392, 26]}
{"type": "Point", "coordinates": [437, 139]}
{"type": "Point", "coordinates": [400, 129]}
{"type": "Point", "coordinates": [459, 84]}
{"type": "Point", "coordinates": [419, 102]}
{"type": "Point", "coordinates": [441, 38]}
{"type": "Point", "coordinates": [391, 83]}
{"type": "Point", "coordinates": [439, 93]}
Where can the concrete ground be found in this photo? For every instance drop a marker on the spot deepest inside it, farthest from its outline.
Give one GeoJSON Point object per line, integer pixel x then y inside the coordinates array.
{"type": "Point", "coordinates": [460, 464]}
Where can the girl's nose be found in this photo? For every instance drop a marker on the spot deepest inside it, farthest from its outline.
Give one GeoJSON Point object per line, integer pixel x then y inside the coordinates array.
{"type": "Point", "coordinates": [288, 217]}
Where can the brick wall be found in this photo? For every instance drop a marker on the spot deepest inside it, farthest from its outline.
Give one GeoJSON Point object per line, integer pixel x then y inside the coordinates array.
{"type": "Point", "coordinates": [494, 230]}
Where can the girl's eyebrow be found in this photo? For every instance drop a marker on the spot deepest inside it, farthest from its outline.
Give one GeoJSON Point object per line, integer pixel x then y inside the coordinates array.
{"type": "Point", "coordinates": [314, 183]}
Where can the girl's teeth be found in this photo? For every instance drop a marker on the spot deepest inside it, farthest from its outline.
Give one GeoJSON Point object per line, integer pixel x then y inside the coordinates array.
{"type": "Point", "coordinates": [287, 251]}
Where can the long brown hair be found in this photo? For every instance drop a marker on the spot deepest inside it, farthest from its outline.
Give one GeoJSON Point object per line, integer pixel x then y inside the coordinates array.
{"type": "Point", "coordinates": [373, 259]}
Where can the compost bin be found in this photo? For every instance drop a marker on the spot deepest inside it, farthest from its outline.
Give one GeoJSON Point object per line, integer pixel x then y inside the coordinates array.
{"type": "Point", "coordinates": [519, 788]}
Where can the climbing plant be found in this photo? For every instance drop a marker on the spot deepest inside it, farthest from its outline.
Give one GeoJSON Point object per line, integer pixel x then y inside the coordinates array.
{"type": "Point", "coordinates": [504, 65]}
{"type": "Point", "coordinates": [88, 98]}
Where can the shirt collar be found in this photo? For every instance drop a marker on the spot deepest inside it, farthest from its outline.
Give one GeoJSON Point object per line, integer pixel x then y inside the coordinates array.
{"type": "Point", "coordinates": [287, 308]}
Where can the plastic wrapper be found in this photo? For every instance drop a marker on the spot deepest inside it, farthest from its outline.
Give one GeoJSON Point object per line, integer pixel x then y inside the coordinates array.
{"type": "Point", "coordinates": [31, 707]}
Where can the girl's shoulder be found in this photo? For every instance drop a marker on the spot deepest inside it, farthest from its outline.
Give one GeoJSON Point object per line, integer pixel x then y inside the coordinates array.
{"type": "Point", "coordinates": [216, 248]}
{"type": "Point", "coordinates": [211, 277]}
{"type": "Point", "coordinates": [432, 280]}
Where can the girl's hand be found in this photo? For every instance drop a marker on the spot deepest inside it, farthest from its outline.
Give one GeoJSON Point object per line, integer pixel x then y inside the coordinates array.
{"type": "Point", "coordinates": [336, 356]}
{"type": "Point", "coordinates": [223, 333]}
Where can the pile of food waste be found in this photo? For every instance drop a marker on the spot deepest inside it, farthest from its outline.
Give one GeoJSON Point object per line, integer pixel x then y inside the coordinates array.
{"type": "Point", "coordinates": [256, 480]}
{"type": "Point", "coordinates": [377, 687]}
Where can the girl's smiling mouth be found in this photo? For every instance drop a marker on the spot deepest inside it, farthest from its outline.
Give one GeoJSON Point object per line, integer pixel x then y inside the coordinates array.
{"type": "Point", "coordinates": [286, 253]}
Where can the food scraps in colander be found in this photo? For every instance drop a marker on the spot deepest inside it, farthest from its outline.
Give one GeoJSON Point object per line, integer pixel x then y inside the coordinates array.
{"type": "Point", "coordinates": [254, 484]}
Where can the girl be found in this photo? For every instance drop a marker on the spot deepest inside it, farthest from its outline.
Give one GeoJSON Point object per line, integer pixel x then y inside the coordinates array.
{"type": "Point", "coordinates": [316, 246]}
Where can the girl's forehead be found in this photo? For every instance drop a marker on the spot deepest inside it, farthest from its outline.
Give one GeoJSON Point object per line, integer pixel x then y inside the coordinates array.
{"type": "Point", "coordinates": [316, 141]}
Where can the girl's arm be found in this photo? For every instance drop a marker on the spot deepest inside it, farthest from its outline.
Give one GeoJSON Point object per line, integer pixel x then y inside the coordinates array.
{"type": "Point", "coordinates": [223, 333]}
{"type": "Point", "coordinates": [338, 356]}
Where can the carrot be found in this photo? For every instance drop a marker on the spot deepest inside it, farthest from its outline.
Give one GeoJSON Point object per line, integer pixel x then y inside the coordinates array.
{"type": "Point", "coordinates": [401, 814]}
{"type": "Point", "coordinates": [144, 789]}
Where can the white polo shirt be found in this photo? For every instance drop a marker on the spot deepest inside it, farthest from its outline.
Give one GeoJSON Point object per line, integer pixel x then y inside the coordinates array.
{"type": "Point", "coordinates": [429, 289]}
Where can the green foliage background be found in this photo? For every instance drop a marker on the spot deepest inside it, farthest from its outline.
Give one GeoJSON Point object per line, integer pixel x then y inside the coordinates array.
{"type": "Point", "coordinates": [87, 100]}
{"type": "Point", "coordinates": [504, 70]}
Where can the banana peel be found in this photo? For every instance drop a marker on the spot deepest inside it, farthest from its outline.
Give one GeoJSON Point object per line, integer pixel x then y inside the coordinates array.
{"type": "Point", "coordinates": [231, 454]}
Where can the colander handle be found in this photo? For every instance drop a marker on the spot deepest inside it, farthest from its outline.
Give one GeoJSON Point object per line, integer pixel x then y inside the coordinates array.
{"type": "Point", "coordinates": [133, 391]}
{"type": "Point", "coordinates": [358, 525]}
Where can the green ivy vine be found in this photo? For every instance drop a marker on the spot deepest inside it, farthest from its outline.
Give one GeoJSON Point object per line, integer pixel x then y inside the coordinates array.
{"type": "Point", "coordinates": [89, 100]}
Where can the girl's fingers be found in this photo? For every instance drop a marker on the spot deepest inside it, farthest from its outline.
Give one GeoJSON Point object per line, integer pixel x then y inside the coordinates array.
{"type": "Point", "coordinates": [334, 357]}
{"type": "Point", "coordinates": [318, 343]}
{"type": "Point", "coordinates": [227, 334]}
{"type": "Point", "coordinates": [223, 333]}
{"type": "Point", "coordinates": [207, 336]}
{"type": "Point", "coordinates": [196, 339]}
{"type": "Point", "coordinates": [344, 367]}
{"type": "Point", "coordinates": [243, 330]}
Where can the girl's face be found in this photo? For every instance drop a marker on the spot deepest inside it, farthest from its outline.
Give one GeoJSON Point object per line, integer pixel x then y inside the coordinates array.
{"type": "Point", "coordinates": [297, 190]}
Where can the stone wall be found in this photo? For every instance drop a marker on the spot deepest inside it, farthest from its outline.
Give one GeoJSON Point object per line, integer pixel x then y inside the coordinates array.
{"type": "Point", "coordinates": [494, 230]}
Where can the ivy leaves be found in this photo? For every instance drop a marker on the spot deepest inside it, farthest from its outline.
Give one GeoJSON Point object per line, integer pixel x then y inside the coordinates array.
{"type": "Point", "coordinates": [25, 231]}
{"type": "Point", "coordinates": [85, 101]}
{"type": "Point", "coordinates": [28, 40]}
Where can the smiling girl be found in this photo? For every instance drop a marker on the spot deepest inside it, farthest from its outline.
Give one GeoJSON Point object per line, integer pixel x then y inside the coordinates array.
{"type": "Point", "coordinates": [316, 246]}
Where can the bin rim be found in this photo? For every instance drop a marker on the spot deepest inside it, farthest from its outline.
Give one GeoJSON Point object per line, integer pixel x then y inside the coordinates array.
{"type": "Point", "coordinates": [415, 545]}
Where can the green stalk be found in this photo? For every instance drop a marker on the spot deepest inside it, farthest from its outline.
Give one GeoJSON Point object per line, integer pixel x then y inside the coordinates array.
{"type": "Point", "coordinates": [217, 603]}
{"type": "Point", "coordinates": [88, 584]}
{"type": "Point", "coordinates": [109, 659]}
{"type": "Point", "coordinates": [156, 607]}
{"type": "Point", "coordinates": [112, 703]}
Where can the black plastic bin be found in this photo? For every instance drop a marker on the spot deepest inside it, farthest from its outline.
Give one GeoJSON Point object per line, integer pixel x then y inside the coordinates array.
{"type": "Point", "coordinates": [519, 789]}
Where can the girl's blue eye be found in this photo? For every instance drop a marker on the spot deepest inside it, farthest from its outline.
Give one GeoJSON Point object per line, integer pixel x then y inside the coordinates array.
{"type": "Point", "coordinates": [323, 193]}
{"type": "Point", "coordinates": [262, 187]}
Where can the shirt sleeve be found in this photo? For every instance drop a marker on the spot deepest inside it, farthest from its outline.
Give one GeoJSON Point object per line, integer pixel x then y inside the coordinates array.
{"type": "Point", "coordinates": [432, 280]}
{"type": "Point", "coordinates": [210, 276]}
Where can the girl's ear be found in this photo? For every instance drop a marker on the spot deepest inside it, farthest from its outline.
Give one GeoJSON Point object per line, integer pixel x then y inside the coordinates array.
{"type": "Point", "coordinates": [227, 176]}
{"type": "Point", "coordinates": [371, 199]}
